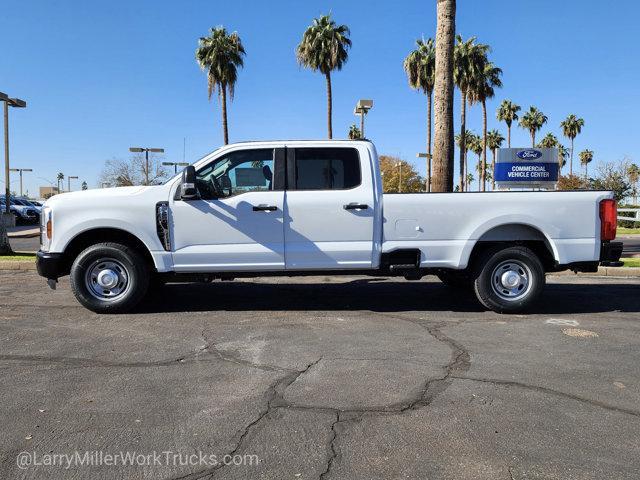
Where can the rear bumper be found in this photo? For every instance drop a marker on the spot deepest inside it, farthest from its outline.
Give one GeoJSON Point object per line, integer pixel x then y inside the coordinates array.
{"type": "Point", "coordinates": [51, 265]}
{"type": "Point", "coordinates": [610, 253]}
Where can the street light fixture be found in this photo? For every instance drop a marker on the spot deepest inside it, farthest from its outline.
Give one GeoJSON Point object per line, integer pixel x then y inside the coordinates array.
{"type": "Point", "coordinates": [428, 156]}
{"type": "Point", "coordinates": [146, 158]}
{"type": "Point", "coordinates": [8, 102]}
{"type": "Point", "coordinates": [69, 178]}
{"type": "Point", "coordinates": [175, 165]}
{"type": "Point", "coordinates": [362, 108]}
{"type": "Point", "coordinates": [21, 170]}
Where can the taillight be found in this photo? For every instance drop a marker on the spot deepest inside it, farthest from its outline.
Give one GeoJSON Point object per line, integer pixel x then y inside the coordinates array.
{"type": "Point", "coordinates": [608, 219]}
{"type": "Point", "coordinates": [49, 229]}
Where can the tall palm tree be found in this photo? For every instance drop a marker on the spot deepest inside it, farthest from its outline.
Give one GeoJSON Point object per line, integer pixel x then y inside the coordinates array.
{"type": "Point", "coordinates": [571, 128]}
{"type": "Point", "coordinates": [483, 88]}
{"type": "Point", "coordinates": [420, 67]}
{"type": "Point", "coordinates": [586, 157]}
{"type": "Point", "coordinates": [469, 59]}
{"type": "Point", "coordinates": [508, 113]}
{"type": "Point", "coordinates": [533, 120]}
{"type": "Point", "coordinates": [494, 141]}
{"type": "Point", "coordinates": [354, 132]}
{"type": "Point", "coordinates": [60, 178]}
{"type": "Point", "coordinates": [465, 143]}
{"type": "Point", "coordinates": [323, 48]}
{"type": "Point", "coordinates": [220, 55]}
{"type": "Point", "coordinates": [443, 145]}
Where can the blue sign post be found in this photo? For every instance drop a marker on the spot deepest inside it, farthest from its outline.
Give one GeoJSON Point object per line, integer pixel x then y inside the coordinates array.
{"type": "Point", "coordinates": [527, 167]}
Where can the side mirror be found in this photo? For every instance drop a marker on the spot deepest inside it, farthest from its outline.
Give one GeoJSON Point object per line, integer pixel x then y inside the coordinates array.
{"type": "Point", "coordinates": [188, 190]}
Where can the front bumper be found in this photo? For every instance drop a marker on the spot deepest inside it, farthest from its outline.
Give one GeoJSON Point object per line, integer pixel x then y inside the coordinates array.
{"type": "Point", "coordinates": [610, 253]}
{"type": "Point", "coordinates": [51, 265]}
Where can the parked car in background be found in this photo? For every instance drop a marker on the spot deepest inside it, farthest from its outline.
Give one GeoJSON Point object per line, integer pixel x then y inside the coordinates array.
{"type": "Point", "coordinates": [24, 212]}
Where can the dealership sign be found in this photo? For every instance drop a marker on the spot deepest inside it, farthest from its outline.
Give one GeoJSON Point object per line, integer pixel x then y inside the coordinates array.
{"type": "Point", "coordinates": [527, 167]}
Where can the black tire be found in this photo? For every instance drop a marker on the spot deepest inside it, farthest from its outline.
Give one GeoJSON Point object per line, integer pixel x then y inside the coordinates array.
{"type": "Point", "coordinates": [131, 277]}
{"type": "Point", "coordinates": [519, 266]}
{"type": "Point", "coordinates": [456, 280]}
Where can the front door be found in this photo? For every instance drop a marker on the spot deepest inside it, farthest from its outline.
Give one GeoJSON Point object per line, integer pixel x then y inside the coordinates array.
{"type": "Point", "coordinates": [237, 224]}
{"type": "Point", "coordinates": [329, 209]}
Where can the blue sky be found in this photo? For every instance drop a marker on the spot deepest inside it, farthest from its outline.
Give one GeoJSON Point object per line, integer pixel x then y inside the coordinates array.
{"type": "Point", "coordinates": [100, 77]}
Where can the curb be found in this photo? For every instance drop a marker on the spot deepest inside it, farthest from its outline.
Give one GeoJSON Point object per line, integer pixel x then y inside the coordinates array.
{"type": "Point", "coordinates": [19, 265]}
{"type": "Point", "coordinates": [602, 271]}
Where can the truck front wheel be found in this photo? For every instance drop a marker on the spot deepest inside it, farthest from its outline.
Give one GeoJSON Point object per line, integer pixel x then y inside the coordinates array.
{"type": "Point", "coordinates": [509, 280]}
{"type": "Point", "coordinates": [109, 278]}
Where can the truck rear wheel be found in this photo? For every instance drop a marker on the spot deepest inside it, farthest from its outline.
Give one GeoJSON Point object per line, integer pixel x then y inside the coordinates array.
{"type": "Point", "coordinates": [109, 278]}
{"type": "Point", "coordinates": [509, 280]}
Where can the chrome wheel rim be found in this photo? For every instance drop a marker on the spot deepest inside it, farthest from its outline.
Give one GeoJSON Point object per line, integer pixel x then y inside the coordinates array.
{"type": "Point", "coordinates": [107, 279]}
{"type": "Point", "coordinates": [511, 280]}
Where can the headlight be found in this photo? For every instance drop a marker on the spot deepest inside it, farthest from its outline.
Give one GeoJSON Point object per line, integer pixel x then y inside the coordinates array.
{"type": "Point", "coordinates": [46, 228]}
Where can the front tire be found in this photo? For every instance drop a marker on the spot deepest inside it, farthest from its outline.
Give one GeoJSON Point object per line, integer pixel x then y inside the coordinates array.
{"type": "Point", "coordinates": [509, 280]}
{"type": "Point", "coordinates": [109, 278]}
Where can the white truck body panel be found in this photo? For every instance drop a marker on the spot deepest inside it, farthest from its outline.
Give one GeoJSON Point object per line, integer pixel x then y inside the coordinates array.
{"type": "Point", "coordinates": [312, 230]}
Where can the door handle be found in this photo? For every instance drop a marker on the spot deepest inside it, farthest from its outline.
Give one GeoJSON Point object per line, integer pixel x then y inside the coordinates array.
{"type": "Point", "coordinates": [356, 206]}
{"type": "Point", "coordinates": [265, 208]}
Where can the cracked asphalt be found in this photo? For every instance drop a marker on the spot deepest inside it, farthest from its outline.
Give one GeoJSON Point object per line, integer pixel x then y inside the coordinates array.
{"type": "Point", "coordinates": [325, 377]}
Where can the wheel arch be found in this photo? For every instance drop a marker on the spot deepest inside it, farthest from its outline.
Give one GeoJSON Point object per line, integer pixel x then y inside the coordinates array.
{"type": "Point", "coordinates": [92, 236]}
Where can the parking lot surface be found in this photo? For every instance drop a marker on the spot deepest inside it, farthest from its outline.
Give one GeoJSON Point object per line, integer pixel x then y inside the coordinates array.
{"type": "Point", "coordinates": [323, 377]}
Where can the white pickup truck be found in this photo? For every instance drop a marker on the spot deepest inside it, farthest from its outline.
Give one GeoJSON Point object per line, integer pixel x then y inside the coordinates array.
{"type": "Point", "coordinates": [316, 207]}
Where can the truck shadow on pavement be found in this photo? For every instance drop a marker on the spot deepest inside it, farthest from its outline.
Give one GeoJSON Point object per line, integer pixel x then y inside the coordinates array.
{"type": "Point", "coordinates": [376, 295]}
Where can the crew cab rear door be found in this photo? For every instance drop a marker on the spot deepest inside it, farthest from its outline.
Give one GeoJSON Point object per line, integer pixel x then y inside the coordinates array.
{"type": "Point", "coordinates": [329, 209]}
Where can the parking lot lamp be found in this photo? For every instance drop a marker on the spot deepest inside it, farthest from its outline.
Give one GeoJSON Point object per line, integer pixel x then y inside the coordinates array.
{"type": "Point", "coordinates": [175, 165]}
{"type": "Point", "coordinates": [146, 158]}
{"type": "Point", "coordinates": [21, 170]}
{"type": "Point", "coordinates": [69, 178]}
{"type": "Point", "coordinates": [8, 102]}
{"type": "Point", "coordinates": [362, 108]}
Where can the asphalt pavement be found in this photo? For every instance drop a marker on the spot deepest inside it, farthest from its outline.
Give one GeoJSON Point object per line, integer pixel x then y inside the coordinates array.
{"type": "Point", "coordinates": [322, 377]}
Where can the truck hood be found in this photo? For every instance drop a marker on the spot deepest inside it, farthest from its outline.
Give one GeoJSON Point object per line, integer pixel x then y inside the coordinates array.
{"type": "Point", "coordinates": [97, 193]}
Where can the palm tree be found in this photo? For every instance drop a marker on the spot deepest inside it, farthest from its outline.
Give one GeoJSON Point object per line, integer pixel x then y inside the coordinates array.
{"type": "Point", "coordinates": [571, 128]}
{"type": "Point", "coordinates": [466, 141]}
{"type": "Point", "coordinates": [507, 113]}
{"type": "Point", "coordinates": [84, 186]}
{"type": "Point", "coordinates": [586, 157]}
{"type": "Point", "coordinates": [420, 67]}
{"type": "Point", "coordinates": [475, 145]}
{"type": "Point", "coordinates": [220, 55]}
{"type": "Point", "coordinates": [354, 132]}
{"type": "Point", "coordinates": [548, 141]}
{"type": "Point", "coordinates": [483, 89]}
{"type": "Point", "coordinates": [563, 154]}
{"type": "Point", "coordinates": [494, 141]}
{"type": "Point", "coordinates": [469, 60]}
{"type": "Point", "coordinates": [60, 178]}
{"type": "Point", "coordinates": [443, 145]}
{"type": "Point", "coordinates": [324, 48]}
{"type": "Point", "coordinates": [633, 172]}
{"type": "Point", "coordinates": [533, 120]}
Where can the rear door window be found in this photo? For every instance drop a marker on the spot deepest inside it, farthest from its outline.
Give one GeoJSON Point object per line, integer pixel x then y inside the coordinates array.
{"type": "Point", "coordinates": [326, 169]}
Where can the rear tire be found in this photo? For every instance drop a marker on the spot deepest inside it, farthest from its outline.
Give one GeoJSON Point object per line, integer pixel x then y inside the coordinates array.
{"type": "Point", "coordinates": [109, 278]}
{"type": "Point", "coordinates": [509, 280]}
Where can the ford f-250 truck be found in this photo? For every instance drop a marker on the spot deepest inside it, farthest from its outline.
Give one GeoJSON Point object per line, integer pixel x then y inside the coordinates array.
{"type": "Point", "coordinates": [316, 207]}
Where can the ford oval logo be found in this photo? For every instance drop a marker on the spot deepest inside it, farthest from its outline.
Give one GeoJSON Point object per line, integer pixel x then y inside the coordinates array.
{"type": "Point", "coordinates": [529, 154]}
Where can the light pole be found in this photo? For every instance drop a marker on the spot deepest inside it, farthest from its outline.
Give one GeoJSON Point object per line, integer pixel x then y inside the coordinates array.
{"type": "Point", "coordinates": [428, 157]}
{"type": "Point", "coordinates": [146, 158]}
{"type": "Point", "coordinates": [399, 165]}
{"type": "Point", "coordinates": [8, 102]}
{"type": "Point", "coordinates": [362, 108]}
{"type": "Point", "coordinates": [175, 165]}
{"type": "Point", "coordinates": [69, 178]}
{"type": "Point", "coordinates": [21, 170]}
